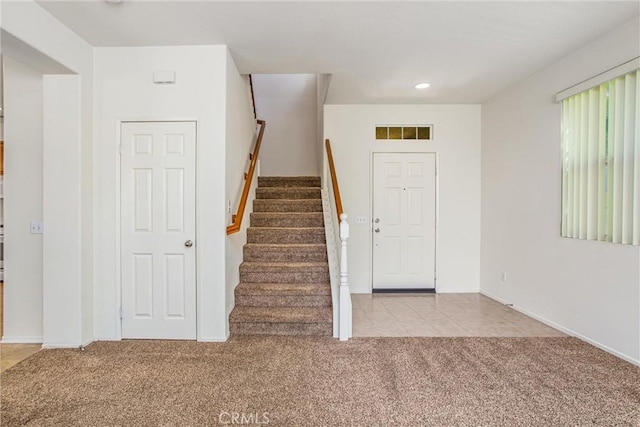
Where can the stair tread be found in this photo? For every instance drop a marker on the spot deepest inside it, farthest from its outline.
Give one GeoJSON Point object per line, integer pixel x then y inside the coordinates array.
{"type": "Point", "coordinates": [288, 177]}
{"type": "Point", "coordinates": [286, 235]}
{"type": "Point", "coordinates": [252, 264]}
{"type": "Point", "coordinates": [287, 205]}
{"type": "Point", "coordinates": [278, 214]}
{"type": "Point", "coordinates": [288, 245]}
{"type": "Point", "coordinates": [289, 181]}
{"type": "Point", "coordinates": [275, 188]}
{"type": "Point", "coordinates": [246, 314]}
{"type": "Point", "coordinates": [286, 219]}
{"type": "Point", "coordinates": [288, 193]}
{"type": "Point", "coordinates": [287, 200]}
{"type": "Point", "coordinates": [284, 288]}
{"type": "Point", "coordinates": [293, 229]}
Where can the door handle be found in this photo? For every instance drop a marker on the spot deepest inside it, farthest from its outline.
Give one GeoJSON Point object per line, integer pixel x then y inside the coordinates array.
{"type": "Point", "coordinates": [188, 243]}
{"type": "Point", "coordinates": [377, 230]}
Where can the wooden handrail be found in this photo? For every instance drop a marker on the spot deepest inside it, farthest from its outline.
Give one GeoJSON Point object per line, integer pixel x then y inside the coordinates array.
{"type": "Point", "coordinates": [253, 97]}
{"type": "Point", "coordinates": [334, 180]}
{"type": "Point", "coordinates": [248, 179]}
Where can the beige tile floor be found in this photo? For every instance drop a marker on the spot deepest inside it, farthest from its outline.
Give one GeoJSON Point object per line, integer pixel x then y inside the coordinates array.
{"type": "Point", "coordinates": [11, 354]}
{"type": "Point", "coordinates": [441, 315]}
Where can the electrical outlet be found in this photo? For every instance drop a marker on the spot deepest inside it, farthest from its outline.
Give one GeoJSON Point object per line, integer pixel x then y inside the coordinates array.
{"type": "Point", "coordinates": [36, 227]}
{"type": "Point", "coordinates": [503, 276]}
{"type": "Point", "coordinates": [361, 220]}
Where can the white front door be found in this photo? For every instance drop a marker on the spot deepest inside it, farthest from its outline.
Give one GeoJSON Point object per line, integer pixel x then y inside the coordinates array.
{"type": "Point", "coordinates": [158, 198]}
{"type": "Point", "coordinates": [404, 220]}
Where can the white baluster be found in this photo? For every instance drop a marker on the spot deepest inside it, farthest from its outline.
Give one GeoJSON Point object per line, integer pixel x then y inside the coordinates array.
{"type": "Point", "coordinates": [345, 297]}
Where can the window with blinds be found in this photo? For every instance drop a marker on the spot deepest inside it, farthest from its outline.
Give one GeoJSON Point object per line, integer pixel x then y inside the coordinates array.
{"type": "Point", "coordinates": [601, 162]}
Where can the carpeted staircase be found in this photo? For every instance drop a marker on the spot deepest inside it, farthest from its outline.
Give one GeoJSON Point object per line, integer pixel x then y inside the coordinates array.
{"type": "Point", "coordinates": [284, 280]}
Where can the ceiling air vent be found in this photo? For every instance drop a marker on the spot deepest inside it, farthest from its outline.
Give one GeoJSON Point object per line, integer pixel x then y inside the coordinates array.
{"type": "Point", "coordinates": [397, 132]}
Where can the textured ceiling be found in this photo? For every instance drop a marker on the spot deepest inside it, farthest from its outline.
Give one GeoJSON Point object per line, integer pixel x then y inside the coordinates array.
{"type": "Point", "coordinates": [376, 51]}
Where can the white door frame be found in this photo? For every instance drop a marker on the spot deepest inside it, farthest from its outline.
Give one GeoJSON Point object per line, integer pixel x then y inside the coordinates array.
{"type": "Point", "coordinates": [118, 212]}
{"type": "Point", "coordinates": [437, 207]}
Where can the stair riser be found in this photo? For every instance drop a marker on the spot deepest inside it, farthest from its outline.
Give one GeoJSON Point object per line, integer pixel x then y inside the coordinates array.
{"type": "Point", "coordinates": [287, 220]}
{"type": "Point", "coordinates": [283, 277]}
{"type": "Point", "coordinates": [275, 181]}
{"type": "Point", "coordinates": [270, 205]}
{"type": "Point", "coordinates": [288, 193]}
{"type": "Point", "coordinates": [258, 328]}
{"type": "Point", "coordinates": [284, 300]}
{"type": "Point", "coordinates": [284, 236]}
{"type": "Point", "coordinates": [258, 254]}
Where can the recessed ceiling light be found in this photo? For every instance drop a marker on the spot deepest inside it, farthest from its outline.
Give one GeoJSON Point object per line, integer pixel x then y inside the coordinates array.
{"type": "Point", "coordinates": [113, 1]}
{"type": "Point", "coordinates": [422, 85]}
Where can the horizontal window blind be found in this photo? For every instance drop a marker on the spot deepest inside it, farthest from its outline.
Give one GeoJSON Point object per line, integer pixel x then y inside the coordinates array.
{"type": "Point", "coordinates": [601, 162]}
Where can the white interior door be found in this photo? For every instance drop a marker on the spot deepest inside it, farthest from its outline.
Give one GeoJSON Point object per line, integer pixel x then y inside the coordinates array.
{"type": "Point", "coordinates": [158, 198]}
{"type": "Point", "coordinates": [404, 220]}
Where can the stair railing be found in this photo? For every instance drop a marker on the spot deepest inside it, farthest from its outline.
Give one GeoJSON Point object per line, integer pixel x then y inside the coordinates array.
{"type": "Point", "coordinates": [344, 316]}
{"type": "Point", "coordinates": [253, 97]}
{"type": "Point", "coordinates": [236, 219]}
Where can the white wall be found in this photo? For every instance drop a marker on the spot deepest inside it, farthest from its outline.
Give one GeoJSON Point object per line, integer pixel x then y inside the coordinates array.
{"type": "Point", "coordinates": [587, 288]}
{"type": "Point", "coordinates": [288, 103]}
{"type": "Point", "coordinates": [124, 90]}
{"type": "Point", "coordinates": [61, 167]}
{"type": "Point", "coordinates": [46, 43]}
{"type": "Point", "coordinates": [22, 203]}
{"type": "Point", "coordinates": [240, 136]}
{"type": "Point", "coordinates": [351, 129]}
{"type": "Point", "coordinates": [323, 82]}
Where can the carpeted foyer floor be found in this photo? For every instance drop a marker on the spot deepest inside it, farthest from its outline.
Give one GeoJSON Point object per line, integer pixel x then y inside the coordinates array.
{"type": "Point", "coordinates": [292, 381]}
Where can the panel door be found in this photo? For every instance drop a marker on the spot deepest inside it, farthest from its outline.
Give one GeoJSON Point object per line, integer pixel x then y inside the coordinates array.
{"type": "Point", "coordinates": [158, 198]}
{"type": "Point", "coordinates": [404, 215]}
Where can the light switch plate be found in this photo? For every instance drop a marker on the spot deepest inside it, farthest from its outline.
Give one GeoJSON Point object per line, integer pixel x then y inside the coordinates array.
{"type": "Point", "coordinates": [361, 220]}
{"type": "Point", "coordinates": [164, 77]}
{"type": "Point", "coordinates": [36, 227]}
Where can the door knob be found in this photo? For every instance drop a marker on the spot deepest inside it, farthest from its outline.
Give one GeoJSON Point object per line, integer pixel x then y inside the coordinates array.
{"type": "Point", "coordinates": [377, 230]}
{"type": "Point", "coordinates": [188, 243]}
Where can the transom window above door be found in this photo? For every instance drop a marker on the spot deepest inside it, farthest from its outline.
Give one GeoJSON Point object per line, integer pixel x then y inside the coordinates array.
{"type": "Point", "coordinates": [406, 132]}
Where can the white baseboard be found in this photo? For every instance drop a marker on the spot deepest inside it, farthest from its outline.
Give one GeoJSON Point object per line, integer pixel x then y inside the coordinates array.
{"type": "Point", "coordinates": [67, 345]}
{"type": "Point", "coordinates": [567, 331]}
{"type": "Point", "coordinates": [495, 298]}
{"type": "Point", "coordinates": [456, 291]}
{"type": "Point", "coordinates": [21, 340]}
{"type": "Point", "coordinates": [213, 339]}
{"type": "Point", "coordinates": [206, 339]}
{"type": "Point", "coordinates": [107, 339]}
{"type": "Point", "coordinates": [59, 345]}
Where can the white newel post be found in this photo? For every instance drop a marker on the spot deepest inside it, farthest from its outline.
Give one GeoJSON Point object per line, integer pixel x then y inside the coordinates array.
{"type": "Point", "coordinates": [345, 297]}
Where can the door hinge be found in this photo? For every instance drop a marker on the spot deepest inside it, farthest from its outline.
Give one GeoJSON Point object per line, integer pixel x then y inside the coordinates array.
{"type": "Point", "coordinates": [120, 148]}
{"type": "Point", "coordinates": [121, 312]}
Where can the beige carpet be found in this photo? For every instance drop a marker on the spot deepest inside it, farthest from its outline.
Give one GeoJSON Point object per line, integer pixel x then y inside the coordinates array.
{"type": "Point", "coordinates": [294, 381]}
